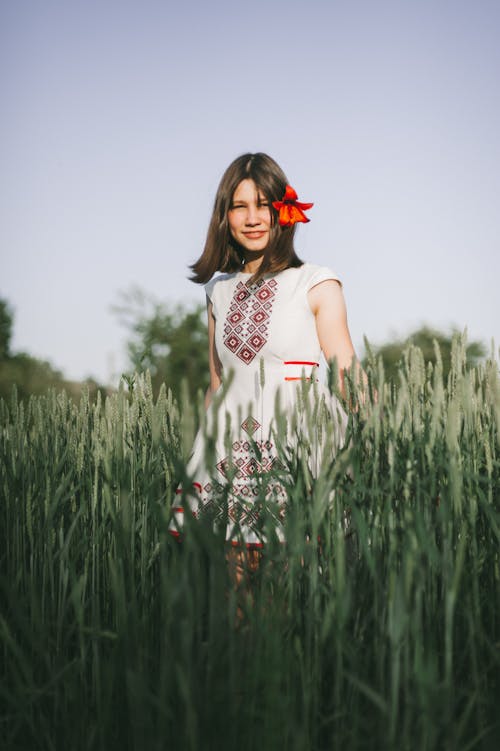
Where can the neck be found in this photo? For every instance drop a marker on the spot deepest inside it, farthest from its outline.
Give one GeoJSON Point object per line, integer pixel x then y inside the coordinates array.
{"type": "Point", "coordinates": [252, 263]}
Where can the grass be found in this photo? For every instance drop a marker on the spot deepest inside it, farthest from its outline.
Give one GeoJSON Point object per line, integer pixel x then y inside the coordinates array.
{"type": "Point", "coordinates": [386, 635]}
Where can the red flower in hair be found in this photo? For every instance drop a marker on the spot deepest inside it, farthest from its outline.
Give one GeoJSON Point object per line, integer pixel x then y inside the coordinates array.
{"type": "Point", "coordinates": [290, 210]}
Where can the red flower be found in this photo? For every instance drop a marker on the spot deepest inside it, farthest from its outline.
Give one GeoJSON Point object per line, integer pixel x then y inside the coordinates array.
{"type": "Point", "coordinates": [290, 210]}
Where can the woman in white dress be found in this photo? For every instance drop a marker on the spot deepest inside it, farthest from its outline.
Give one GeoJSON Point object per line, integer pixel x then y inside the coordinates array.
{"type": "Point", "coordinates": [270, 316]}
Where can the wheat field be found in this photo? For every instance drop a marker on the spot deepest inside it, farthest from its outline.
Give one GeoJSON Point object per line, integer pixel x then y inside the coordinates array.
{"type": "Point", "coordinates": [376, 626]}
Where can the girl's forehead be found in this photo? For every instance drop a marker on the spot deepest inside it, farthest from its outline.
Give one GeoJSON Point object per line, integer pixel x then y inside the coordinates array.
{"type": "Point", "coordinates": [247, 189]}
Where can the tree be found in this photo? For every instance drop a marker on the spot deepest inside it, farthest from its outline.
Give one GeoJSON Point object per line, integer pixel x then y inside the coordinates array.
{"type": "Point", "coordinates": [29, 374]}
{"type": "Point", "coordinates": [169, 341]}
{"type": "Point", "coordinates": [6, 318]}
{"type": "Point", "coordinates": [392, 352]}
{"type": "Point", "coordinates": [172, 343]}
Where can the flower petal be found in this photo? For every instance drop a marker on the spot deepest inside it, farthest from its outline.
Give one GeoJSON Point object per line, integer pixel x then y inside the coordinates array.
{"type": "Point", "coordinates": [290, 210]}
{"type": "Point", "coordinates": [290, 194]}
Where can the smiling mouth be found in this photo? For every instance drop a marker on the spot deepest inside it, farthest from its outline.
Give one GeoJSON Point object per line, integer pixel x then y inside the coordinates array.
{"type": "Point", "coordinates": [254, 235]}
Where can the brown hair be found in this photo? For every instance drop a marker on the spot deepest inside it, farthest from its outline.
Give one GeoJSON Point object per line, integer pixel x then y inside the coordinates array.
{"type": "Point", "coordinates": [222, 252]}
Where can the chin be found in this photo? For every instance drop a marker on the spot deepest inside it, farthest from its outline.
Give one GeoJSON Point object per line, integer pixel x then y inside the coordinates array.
{"type": "Point", "coordinates": [257, 245]}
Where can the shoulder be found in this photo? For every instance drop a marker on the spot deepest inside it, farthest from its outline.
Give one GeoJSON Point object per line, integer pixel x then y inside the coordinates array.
{"type": "Point", "coordinates": [311, 274]}
{"type": "Point", "coordinates": [216, 282]}
{"type": "Point", "coordinates": [327, 299]}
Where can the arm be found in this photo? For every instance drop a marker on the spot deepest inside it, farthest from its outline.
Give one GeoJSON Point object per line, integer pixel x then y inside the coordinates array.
{"type": "Point", "coordinates": [213, 358]}
{"type": "Point", "coordinates": [326, 300]}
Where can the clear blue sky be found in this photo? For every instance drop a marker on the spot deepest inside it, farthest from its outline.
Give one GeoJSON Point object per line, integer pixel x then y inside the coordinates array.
{"type": "Point", "coordinates": [118, 119]}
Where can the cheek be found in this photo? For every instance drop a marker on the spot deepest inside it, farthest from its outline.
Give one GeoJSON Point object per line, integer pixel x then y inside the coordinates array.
{"type": "Point", "coordinates": [232, 227]}
{"type": "Point", "coordinates": [232, 220]}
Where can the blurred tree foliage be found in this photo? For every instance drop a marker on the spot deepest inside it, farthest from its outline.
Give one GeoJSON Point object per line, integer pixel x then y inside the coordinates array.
{"type": "Point", "coordinates": [29, 374]}
{"type": "Point", "coordinates": [392, 352]}
{"type": "Point", "coordinates": [6, 319]}
{"type": "Point", "coordinates": [169, 341]}
{"type": "Point", "coordinates": [172, 342]}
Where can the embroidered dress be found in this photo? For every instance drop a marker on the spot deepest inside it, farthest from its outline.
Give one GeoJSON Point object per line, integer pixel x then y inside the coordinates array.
{"type": "Point", "coordinates": [265, 334]}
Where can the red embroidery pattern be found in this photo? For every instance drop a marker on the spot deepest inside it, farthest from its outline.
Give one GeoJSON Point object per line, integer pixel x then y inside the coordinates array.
{"type": "Point", "coordinates": [248, 459]}
{"type": "Point", "coordinates": [250, 425]}
{"type": "Point", "coordinates": [245, 328]}
{"type": "Point", "coordinates": [245, 505]}
{"type": "Point", "coordinates": [244, 462]}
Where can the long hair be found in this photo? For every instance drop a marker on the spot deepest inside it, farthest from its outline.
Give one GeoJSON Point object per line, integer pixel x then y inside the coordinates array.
{"type": "Point", "coordinates": [222, 252]}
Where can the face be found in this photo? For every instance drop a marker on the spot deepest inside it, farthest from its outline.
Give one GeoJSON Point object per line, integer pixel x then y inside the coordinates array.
{"type": "Point", "coordinates": [249, 217]}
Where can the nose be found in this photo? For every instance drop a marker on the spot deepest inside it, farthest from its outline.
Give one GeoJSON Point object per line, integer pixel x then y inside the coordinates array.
{"type": "Point", "coordinates": [252, 217]}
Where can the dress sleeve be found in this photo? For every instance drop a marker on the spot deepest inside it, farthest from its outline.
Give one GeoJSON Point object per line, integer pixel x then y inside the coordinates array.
{"type": "Point", "coordinates": [320, 274]}
{"type": "Point", "coordinates": [209, 288]}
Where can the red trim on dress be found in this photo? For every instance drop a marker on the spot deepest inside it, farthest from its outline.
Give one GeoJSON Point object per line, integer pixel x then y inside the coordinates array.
{"type": "Point", "coordinates": [300, 362]}
{"type": "Point", "coordinates": [249, 545]}
{"type": "Point", "coordinates": [196, 485]}
{"type": "Point", "coordinates": [179, 510]}
{"type": "Point", "coordinates": [234, 543]}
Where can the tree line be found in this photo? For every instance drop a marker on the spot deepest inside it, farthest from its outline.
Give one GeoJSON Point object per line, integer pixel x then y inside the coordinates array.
{"type": "Point", "coordinates": [171, 342]}
{"type": "Point", "coordinates": [31, 375]}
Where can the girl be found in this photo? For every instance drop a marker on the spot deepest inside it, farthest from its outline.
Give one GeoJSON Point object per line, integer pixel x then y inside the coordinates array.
{"type": "Point", "coordinates": [270, 315]}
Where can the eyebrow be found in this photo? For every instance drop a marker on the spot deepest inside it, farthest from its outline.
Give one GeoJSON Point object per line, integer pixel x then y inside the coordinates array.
{"type": "Point", "coordinates": [242, 200]}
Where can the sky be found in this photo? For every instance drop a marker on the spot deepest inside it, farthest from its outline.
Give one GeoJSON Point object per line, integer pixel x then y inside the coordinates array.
{"type": "Point", "coordinates": [119, 118]}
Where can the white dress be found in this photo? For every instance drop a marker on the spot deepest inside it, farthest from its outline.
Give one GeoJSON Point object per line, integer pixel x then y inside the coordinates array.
{"type": "Point", "coordinates": [266, 337]}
